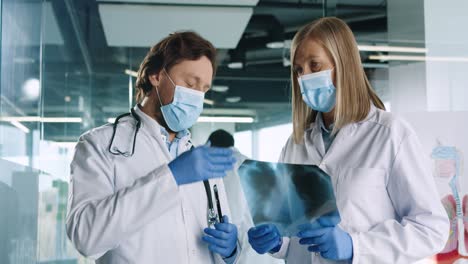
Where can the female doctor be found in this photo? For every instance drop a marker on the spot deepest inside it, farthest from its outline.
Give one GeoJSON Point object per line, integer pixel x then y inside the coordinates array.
{"type": "Point", "coordinates": [386, 198]}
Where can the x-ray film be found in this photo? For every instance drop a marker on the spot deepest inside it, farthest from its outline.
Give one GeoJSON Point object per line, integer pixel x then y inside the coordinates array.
{"type": "Point", "coordinates": [287, 195]}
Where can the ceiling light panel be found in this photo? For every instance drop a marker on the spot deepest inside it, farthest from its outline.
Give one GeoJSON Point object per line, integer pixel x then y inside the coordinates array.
{"type": "Point", "coordinates": [145, 25]}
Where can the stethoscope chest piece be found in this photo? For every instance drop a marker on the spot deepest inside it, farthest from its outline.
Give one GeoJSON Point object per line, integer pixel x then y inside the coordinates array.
{"type": "Point", "coordinates": [212, 217]}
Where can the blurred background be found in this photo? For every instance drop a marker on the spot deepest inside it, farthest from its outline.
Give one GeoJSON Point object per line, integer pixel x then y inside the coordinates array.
{"type": "Point", "coordinates": [70, 65]}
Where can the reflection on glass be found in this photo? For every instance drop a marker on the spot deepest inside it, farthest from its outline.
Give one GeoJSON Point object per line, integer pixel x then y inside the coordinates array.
{"type": "Point", "coordinates": [18, 193]}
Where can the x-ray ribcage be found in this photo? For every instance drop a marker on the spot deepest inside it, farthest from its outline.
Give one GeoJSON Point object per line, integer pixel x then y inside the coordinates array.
{"type": "Point", "coordinates": [286, 194]}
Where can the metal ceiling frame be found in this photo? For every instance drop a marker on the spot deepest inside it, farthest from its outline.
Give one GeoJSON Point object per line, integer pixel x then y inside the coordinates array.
{"type": "Point", "coordinates": [78, 31]}
{"type": "Point", "coordinates": [169, 4]}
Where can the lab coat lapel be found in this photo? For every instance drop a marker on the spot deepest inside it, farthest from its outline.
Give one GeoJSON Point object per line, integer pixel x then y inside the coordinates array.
{"type": "Point", "coordinates": [150, 126]}
{"type": "Point", "coordinates": [331, 160]}
{"type": "Point", "coordinates": [314, 141]}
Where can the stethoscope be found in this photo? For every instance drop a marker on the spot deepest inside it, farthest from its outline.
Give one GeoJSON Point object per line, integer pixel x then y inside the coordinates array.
{"type": "Point", "coordinates": [116, 151]}
{"type": "Point", "coordinates": [212, 216]}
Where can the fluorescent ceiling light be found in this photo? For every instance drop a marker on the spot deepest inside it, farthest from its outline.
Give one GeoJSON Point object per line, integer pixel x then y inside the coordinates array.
{"type": "Point", "coordinates": [225, 119]}
{"type": "Point", "coordinates": [191, 2]}
{"type": "Point", "coordinates": [208, 101]}
{"type": "Point", "coordinates": [235, 65]}
{"type": "Point", "coordinates": [417, 58]}
{"type": "Point", "coordinates": [233, 99]}
{"type": "Point", "coordinates": [392, 49]}
{"type": "Point", "coordinates": [131, 73]}
{"type": "Point", "coordinates": [275, 45]}
{"type": "Point", "coordinates": [220, 88]}
{"type": "Point", "coordinates": [41, 119]}
{"type": "Point", "coordinates": [120, 21]}
{"type": "Point", "coordinates": [374, 65]}
{"type": "Point", "coordinates": [61, 119]}
{"type": "Point", "coordinates": [32, 89]}
{"type": "Point", "coordinates": [213, 119]}
{"type": "Point", "coordinates": [382, 48]}
{"type": "Point", "coordinates": [64, 144]}
{"type": "Point", "coordinates": [228, 112]}
{"type": "Point", "coordinates": [20, 126]}
{"type": "Point", "coordinates": [23, 60]}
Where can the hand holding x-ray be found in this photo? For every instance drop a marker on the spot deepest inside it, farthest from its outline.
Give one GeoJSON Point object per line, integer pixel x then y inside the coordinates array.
{"type": "Point", "coordinates": [286, 195]}
{"type": "Point", "coordinates": [325, 237]}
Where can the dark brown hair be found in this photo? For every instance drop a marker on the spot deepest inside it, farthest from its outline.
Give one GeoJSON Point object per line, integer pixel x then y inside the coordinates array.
{"type": "Point", "coordinates": [173, 49]}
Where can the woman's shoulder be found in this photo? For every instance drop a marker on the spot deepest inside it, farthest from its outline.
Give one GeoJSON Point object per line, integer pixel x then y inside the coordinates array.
{"type": "Point", "coordinates": [394, 123]}
{"type": "Point", "coordinates": [288, 147]}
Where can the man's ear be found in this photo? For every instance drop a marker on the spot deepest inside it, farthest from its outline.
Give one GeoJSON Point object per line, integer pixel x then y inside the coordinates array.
{"type": "Point", "coordinates": [154, 79]}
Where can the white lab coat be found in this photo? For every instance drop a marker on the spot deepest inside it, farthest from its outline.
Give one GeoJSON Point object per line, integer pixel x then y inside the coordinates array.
{"type": "Point", "coordinates": [130, 209]}
{"type": "Point", "coordinates": [385, 192]}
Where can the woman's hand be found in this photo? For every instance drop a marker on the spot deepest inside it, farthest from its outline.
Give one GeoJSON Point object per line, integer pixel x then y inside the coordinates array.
{"type": "Point", "coordinates": [327, 238]}
{"type": "Point", "coordinates": [265, 238]}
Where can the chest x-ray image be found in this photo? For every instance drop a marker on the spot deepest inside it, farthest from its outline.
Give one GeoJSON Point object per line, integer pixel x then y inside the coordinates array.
{"type": "Point", "coordinates": [286, 194]}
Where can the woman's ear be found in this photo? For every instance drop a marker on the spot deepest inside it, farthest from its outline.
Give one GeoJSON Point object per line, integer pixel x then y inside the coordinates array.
{"type": "Point", "coordinates": [154, 79]}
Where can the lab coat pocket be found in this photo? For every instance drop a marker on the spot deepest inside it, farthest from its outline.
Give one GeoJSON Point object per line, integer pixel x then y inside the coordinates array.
{"type": "Point", "coordinates": [361, 196]}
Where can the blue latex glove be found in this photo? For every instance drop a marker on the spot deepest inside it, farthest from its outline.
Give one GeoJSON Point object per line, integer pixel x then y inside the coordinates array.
{"type": "Point", "coordinates": [202, 163]}
{"type": "Point", "coordinates": [222, 239]}
{"type": "Point", "coordinates": [325, 237]}
{"type": "Point", "coordinates": [265, 238]}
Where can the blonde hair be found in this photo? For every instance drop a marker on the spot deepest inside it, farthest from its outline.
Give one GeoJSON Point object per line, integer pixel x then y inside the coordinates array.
{"type": "Point", "coordinates": [354, 93]}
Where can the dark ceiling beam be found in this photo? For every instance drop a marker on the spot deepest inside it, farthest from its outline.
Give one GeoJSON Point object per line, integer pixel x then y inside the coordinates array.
{"type": "Point", "coordinates": [370, 19]}
{"type": "Point", "coordinates": [302, 6]}
{"type": "Point", "coordinates": [273, 74]}
{"type": "Point", "coordinates": [368, 22]}
{"type": "Point", "coordinates": [362, 8]}
{"type": "Point", "coordinates": [79, 34]}
{"type": "Point", "coordinates": [171, 4]}
{"type": "Point", "coordinates": [98, 47]}
{"type": "Point", "coordinates": [263, 22]}
{"type": "Point", "coordinates": [223, 73]}
{"type": "Point", "coordinates": [287, 5]}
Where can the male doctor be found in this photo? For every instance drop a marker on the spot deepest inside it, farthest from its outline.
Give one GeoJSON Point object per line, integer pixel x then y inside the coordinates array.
{"type": "Point", "coordinates": [137, 193]}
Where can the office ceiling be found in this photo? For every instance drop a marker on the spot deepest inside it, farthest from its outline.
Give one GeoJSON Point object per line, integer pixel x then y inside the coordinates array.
{"type": "Point", "coordinates": [87, 45]}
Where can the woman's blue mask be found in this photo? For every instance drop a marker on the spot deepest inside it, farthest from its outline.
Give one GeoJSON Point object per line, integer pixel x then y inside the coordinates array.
{"type": "Point", "coordinates": [318, 91]}
{"type": "Point", "coordinates": [184, 110]}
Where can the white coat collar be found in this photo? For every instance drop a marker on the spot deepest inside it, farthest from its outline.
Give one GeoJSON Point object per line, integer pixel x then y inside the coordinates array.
{"type": "Point", "coordinates": [318, 123]}
{"type": "Point", "coordinates": [157, 131]}
{"type": "Point", "coordinates": [148, 123]}
{"type": "Point", "coordinates": [154, 126]}
{"type": "Point", "coordinates": [314, 132]}
{"type": "Point", "coordinates": [124, 136]}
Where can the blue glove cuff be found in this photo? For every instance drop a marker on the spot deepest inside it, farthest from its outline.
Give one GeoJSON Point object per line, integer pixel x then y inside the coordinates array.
{"type": "Point", "coordinates": [278, 247]}
{"type": "Point", "coordinates": [232, 254]}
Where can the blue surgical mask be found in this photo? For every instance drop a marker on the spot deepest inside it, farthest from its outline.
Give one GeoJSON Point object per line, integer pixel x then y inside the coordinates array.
{"type": "Point", "coordinates": [184, 110]}
{"type": "Point", "coordinates": [318, 91]}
